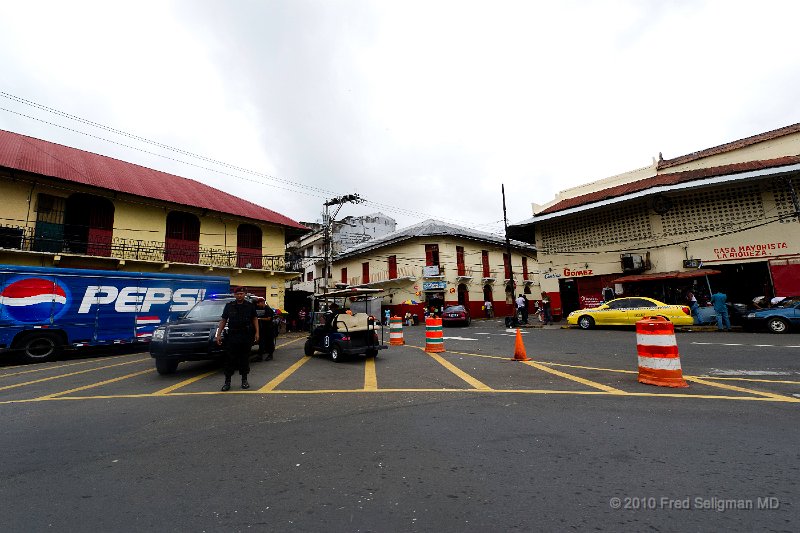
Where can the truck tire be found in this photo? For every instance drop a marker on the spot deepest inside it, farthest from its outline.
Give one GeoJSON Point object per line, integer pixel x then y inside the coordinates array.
{"type": "Point", "coordinates": [166, 366]}
{"type": "Point", "coordinates": [39, 347]}
{"type": "Point", "coordinates": [308, 349]}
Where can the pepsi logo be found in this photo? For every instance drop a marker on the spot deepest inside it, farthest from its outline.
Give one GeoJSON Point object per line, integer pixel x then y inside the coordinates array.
{"type": "Point", "coordinates": [33, 300]}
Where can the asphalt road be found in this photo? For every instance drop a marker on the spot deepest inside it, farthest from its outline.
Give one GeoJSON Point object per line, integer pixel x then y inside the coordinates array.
{"type": "Point", "coordinates": [466, 440]}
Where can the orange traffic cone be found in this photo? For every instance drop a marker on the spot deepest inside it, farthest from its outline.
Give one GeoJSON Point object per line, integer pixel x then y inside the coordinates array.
{"type": "Point", "coordinates": [519, 349]}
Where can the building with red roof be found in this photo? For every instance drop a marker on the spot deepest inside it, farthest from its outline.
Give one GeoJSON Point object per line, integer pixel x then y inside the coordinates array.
{"type": "Point", "coordinates": [724, 216]}
{"type": "Point", "coordinates": [72, 208]}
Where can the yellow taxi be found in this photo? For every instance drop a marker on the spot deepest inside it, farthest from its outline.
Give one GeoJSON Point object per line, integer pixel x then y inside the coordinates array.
{"type": "Point", "coordinates": [628, 311]}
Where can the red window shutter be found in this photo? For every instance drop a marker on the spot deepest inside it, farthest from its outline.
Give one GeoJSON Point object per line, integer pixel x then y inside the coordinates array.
{"type": "Point", "coordinates": [462, 268]}
{"type": "Point", "coordinates": [344, 275]}
{"type": "Point", "coordinates": [507, 265]}
{"type": "Point", "coordinates": [524, 268]}
{"type": "Point", "coordinates": [364, 272]}
{"type": "Point", "coordinates": [485, 259]}
{"type": "Point", "coordinates": [392, 266]}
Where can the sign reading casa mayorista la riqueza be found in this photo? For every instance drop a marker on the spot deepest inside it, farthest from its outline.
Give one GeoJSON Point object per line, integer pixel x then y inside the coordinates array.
{"type": "Point", "coordinates": [749, 250]}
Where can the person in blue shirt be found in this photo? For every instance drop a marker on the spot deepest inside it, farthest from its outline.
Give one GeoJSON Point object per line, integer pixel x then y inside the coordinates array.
{"type": "Point", "coordinates": [719, 300]}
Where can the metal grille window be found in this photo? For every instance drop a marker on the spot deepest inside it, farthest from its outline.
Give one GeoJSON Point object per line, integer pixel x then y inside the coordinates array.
{"type": "Point", "coordinates": [782, 195]}
{"type": "Point", "coordinates": [713, 210]}
{"type": "Point", "coordinates": [620, 224]}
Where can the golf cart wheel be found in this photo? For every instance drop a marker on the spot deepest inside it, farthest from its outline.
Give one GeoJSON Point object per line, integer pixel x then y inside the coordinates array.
{"type": "Point", "coordinates": [586, 322]}
{"type": "Point", "coordinates": [336, 354]}
{"type": "Point", "coordinates": [777, 325]}
{"type": "Point", "coordinates": [308, 349]}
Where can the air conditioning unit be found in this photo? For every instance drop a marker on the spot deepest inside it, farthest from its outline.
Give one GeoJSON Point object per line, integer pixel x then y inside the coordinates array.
{"type": "Point", "coordinates": [632, 263]}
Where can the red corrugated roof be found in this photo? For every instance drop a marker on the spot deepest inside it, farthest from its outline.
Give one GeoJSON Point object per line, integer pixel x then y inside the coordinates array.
{"type": "Point", "coordinates": [673, 178]}
{"type": "Point", "coordinates": [19, 152]}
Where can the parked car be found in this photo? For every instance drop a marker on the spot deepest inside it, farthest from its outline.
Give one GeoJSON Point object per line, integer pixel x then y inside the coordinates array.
{"type": "Point", "coordinates": [628, 311]}
{"type": "Point", "coordinates": [456, 314]}
{"type": "Point", "coordinates": [191, 337]}
{"type": "Point", "coordinates": [781, 318]}
{"type": "Point", "coordinates": [706, 316]}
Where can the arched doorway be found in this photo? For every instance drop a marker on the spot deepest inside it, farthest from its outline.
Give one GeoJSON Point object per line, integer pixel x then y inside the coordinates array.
{"type": "Point", "coordinates": [88, 224]}
{"type": "Point", "coordinates": [463, 295]}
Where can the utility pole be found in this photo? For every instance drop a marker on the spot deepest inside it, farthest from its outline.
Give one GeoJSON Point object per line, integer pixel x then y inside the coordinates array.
{"type": "Point", "coordinates": [327, 231]}
{"type": "Point", "coordinates": [508, 246]}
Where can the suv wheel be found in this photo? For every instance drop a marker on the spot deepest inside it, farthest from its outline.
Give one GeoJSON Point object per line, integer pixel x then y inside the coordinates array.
{"type": "Point", "coordinates": [166, 366]}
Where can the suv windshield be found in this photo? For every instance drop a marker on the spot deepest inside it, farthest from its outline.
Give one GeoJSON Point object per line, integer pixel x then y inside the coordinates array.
{"type": "Point", "coordinates": [207, 310]}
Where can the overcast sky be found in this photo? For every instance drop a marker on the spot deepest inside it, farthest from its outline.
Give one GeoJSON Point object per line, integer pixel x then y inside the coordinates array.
{"type": "Point", "coordinates": [422, 107]}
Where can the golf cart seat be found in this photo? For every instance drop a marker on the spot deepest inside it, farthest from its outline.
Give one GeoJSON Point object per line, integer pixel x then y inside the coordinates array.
{"type": "Point", "coordinates": [354, 322]}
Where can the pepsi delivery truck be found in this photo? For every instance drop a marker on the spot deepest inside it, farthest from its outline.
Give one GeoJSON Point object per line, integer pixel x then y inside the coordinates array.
{"type": "Point", "coordinates": [46, 310]}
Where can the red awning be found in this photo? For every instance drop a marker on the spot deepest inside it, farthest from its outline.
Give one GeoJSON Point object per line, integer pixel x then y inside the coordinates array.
{"type": "Point", "coordinates": [675, 274]}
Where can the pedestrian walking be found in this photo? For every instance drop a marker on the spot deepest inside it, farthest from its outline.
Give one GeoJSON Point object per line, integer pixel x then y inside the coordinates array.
{"type": "Point", "coordinates": [719, 300]}
{"type": "Point", "coordinates": [488, 308]}
{"type": "Point", "coordinates": [266, 330]}
{"type": "Point", "coordinates": [546, 310]}
{"type": "Point", "coordinates": [693, 305]}
{"type": "Point", "coordinates": [522, 308]}
{"type": "Point", "coordinates": [240, 317]}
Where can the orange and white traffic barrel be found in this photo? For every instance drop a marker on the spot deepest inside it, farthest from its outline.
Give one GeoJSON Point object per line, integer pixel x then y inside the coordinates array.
{"type": "Point", "coordinates": [434, 341]}
{"type": "Point", "coordinates": [659, 362]}
{"type": "Point", "coordinates": [396, 331]}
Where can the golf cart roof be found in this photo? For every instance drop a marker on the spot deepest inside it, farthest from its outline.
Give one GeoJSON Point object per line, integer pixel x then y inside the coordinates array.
{"type": "Point", "coordinates": [353, 292]}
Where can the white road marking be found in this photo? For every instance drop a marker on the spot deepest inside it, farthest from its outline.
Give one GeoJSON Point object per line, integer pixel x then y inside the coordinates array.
{"type": "Point", "coordinates": [754, 345]}
{"type": "Point", "coordinates": [717, 372]}
{"type": "Point", "coordinates": [458, 339]}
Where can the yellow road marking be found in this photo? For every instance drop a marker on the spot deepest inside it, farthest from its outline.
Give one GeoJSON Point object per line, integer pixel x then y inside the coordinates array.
{"type": "Point", "coordinates": [473, 391]}
{"type": "Point", "coordinates": [43, 368]}
{"type": "Point", "coordinates": [71, 374]}
{"type": "Point", "coordinates": [583, 381]}
{"type": "Point", "coordinates": [93, 385]}
{"type": "Point", "coordinates": [183, 383]}
{"type": "Point", "coordinates": [283, 375]}
{"type": "Point", "coordinates": [370, 377]}
{"type": "Point", "coordinates": [782, 381]}
{"type": "Point", "coordinates": [458, 372]}
{"type": "Point", "coordinates": [742, 389]}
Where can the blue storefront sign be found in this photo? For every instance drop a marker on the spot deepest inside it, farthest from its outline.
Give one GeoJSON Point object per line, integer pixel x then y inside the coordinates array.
{"type": "Point", "coordinates": [434, 285]}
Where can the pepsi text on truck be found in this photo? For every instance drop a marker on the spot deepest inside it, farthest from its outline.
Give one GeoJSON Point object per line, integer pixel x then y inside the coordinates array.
{"type": "Point", "coordinates": [45, 310]}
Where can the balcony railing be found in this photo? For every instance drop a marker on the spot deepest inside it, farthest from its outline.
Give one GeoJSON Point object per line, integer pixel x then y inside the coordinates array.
{"type": "Point", "coordinates": [25, 239]}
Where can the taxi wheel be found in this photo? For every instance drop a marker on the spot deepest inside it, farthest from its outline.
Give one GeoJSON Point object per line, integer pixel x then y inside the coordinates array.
{"type": "Point", "coordinates": [586, 322]}
{"type": "Point", "coordinates": [308, 349]}
{"type": "Point", "coordinates": [777, 325]}
{"type": "Point", "coordinates": [336, 354]}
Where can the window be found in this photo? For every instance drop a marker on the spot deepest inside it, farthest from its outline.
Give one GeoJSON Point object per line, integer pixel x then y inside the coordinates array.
{"type": "Point", "coordinates": [507, 265]}
{"type": "Point", "coordinates": [344, 275]}
{"type": "Point", "coordinates": [462, 268]}
{"type": "Point", "coordinates": [431, 255]}
{"type": "Point", "coordinates": [182, 243]}
{"type": "Point", "coordinates": [485, 260]}
{"type": "Point", "coordinates": [392, 261]}
{"type": "Point", "coordinates": [248, 246]}
{"type": "Point", "coordinates": [309, 276]}
{"type": "Point", "coordinates": [365, 272]}
{"type": "Point", "coordinates": [525, 268]}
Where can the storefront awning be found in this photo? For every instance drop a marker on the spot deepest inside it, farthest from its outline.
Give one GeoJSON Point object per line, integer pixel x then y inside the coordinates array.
{"type": "Point", "coordinates": [675, 274]}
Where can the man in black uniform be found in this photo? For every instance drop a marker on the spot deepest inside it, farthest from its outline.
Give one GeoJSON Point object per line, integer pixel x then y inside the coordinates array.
{"type": "Point", "coordinates": [266, 329]}
{"type": "Point", "coordinates": [240, 316]}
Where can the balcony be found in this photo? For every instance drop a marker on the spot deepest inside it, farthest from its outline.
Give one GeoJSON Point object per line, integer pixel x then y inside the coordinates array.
{"type": "Point", "coordinates": [121, 249]}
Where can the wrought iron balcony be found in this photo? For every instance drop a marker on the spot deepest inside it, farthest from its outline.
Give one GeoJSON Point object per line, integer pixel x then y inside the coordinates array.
{"type": "Point", "coordinates": [28, 240]}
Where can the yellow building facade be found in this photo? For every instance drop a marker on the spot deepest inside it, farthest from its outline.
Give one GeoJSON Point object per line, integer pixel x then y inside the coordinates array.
{"type": "Point", "coordinates": [77, 216]}
{"type": "Point", "coordinates": [435, 264]}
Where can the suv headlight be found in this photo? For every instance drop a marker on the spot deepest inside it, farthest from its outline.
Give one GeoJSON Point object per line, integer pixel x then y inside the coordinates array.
{"type": "Point", "coordinates": [158, 334]}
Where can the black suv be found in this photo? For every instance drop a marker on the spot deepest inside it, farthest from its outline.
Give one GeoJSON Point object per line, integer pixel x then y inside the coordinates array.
{"type": "Point", "coordinates": [191, 337]}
